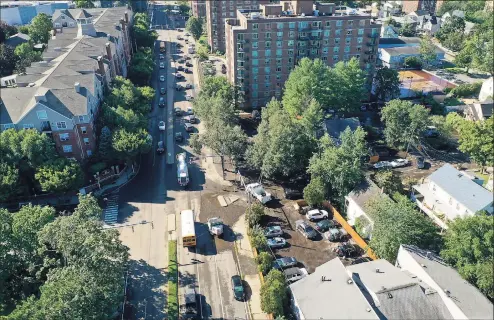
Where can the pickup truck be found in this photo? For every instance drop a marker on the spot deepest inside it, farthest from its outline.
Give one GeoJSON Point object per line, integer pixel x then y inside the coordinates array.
{"type": "Point", "coordinates": [258, 192]}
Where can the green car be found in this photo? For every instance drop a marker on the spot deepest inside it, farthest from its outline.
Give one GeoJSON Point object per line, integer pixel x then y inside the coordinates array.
{"type": "Point", "coordinates": [238, 288]}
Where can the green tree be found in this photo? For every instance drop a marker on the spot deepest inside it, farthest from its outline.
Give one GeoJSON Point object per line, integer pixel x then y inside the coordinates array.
{"type": "Point", "coordinates": [310, 79]}
{"type": "Point", "coordinates": [194, 26]}
{"type": "Point", "coordinates": [142, 35]}
{"type": "Point", "coordinates": [453, 24]}
{"type": "Point", "coordinates": [225, 140]}
{"type": "Point", "coordinates": [254, 214]}
{"type": "Point", "coordinates": [408, 30]}
{"type": "Point", "coordinates": [340, 167]}
{"type": "Point", "coordinates": [314, 192]}
{"type": "Point", "coordinates": [476, 140]}
{"type": "Point", "coordinates": [195, 143]}
{"type": "Point", "coordinates": [120, 117]}
{"type": "Point", "coordinates": [274, 293]}
{"type": "Point", "coordinates": [9, 181]}
{"type": "Point", "coordinates": [454, 41]}
{"type": "Point", "coordinates": [403, 122]}
{"type": "Point", "coordinates": [105, 144]}
{"type": "Point", "coordinates": [6, 31]}
{"type": "Point", "coordinates": [7, 60]}
{"type": "Point", "coordinates": [427, 50]}
{"type": "Point", "coordinates": [130, 144]}
{"type": "Point", "coordinates": [257, 238]}
{"type": "Point", "coordinates": [24, 29]}
{"type": "Point", "coordinates": [412, 62]}
{"type": "Point", "coordinates": [312, 119]}
{"type": "Point", "coordinates": [387, 84]}
{"type": "Point", "coordinates": [389, 181]}
{"type": "Point", "coordinates": [141, 66]}
{"type": "Point", "coordinates": [399, 222]}
{"type": "Point", "coordinates": [35, 147]}
{"type": "Point", "coordinates": [26, 55]}
{"type": "Point", "coordinates": [349, 88]}
{"type": "Point", "coordinates": [88, 208]}
{"type": "Point", "coordinates": [123, 93]}
{"type": "Point", "coordinates": [264, 262]}
{"type": "Point", "coordinates": [40, 28]}
{"type": "Point", "coordinates": [281, 148]}
{"type": "Point", "coordinates": [60, 175]}
{"type": "Point", "coordinates": [468, 247]}
{"type": "Point", "coordinates": [464, 58]}
{"type": "Point", "coordinates": [84, 4]}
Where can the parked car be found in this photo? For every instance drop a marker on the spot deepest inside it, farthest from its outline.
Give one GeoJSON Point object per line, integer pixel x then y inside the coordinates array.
{"type": "Point", "coordinates": [285, 262]}
{"type": "Point", "coordinates": [187, 70]}
{"type": "Point", "coordinates": [161, 147]}
{"type": "Point", "coordinates": [188, 127]}
{"type": "Point", "coordinates": [238, 288]}
{"type": "Point", "coordinates": [162, 102]}
{"type": "Point", "coordinates": [305, 229]}
{"type": "Point", "coordinates": [178, 111]}
{"type": "Point", "coordinates": [187, 34]}
{"type": "Point", "coordinates": [162, 65]}
{"type": "Point", "coordinates": [161, 125]}
{"type": "Point", "coordinates": [325, 225]}
{"type": "Point", "coordinates": [162, 56]}
{"type": "Point", "coordinates": [292, 193]}
{"type": "Point", "coordinates": [420, 162]}
{"type": "Point", "coordinates": [188, 64]}
{"type": "Point", "coordinates": [162, 90]}
{"type": "Point", "coordinates": [188, 310]}
{"type": "Point", "coordinates": [273, 231]}
{"type": "Point", "coordinates": [361, 260]}
{"type": "Point", "coordinates": [179, 37]}
{"type": "Point", "coordinates": [399, 163]}
{"type": "Point", "coordinates": [335, 234]}
{"type": "Point", "coordinates": [190, 110]}
{"type": "Point", "coordinates": [188, 86]}
{"type": "Point", "coordinates": [258, 192]}
{"type": "Point", "coordinates": [179, 137]}
{"type": "Point", "coordinates": [180, 68]}
{"type": "Point", "coordinates": [276, 242]}
{"type": "Point", "coordinates": [190, 119]}
{"type": "Point", "coordinates": [317, 214]}
{"type": "Point", "coordinates": [189, 97]}
{"type": "Point", "coordinates": [187, 57]}
{"type": "Point", "coordinates": [382, 165]}
{"type": "Point", "coordinates": [346, 250]}
{"type": "Point", "coordinates": [181, 60]}
{"type": "Point", "coordinates": [179, 76]}
{"type": "Point", "coordinates": [162, 78]}
{"type": "Point", "coordinates": [294, 274]}
{"type": "Point", "coordinates": [178, 87]}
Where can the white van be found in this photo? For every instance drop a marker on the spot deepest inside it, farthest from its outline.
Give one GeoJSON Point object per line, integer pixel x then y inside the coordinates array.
{"type": "Point", "coordinates": [295, 274]}
{"type": "Point", "coordinates": [191, 50]}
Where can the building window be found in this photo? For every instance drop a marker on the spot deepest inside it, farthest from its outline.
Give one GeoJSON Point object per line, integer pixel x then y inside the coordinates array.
{"type": "Point", "coordinates": [86, 141]}
{"type": "Point", "coordinates": [290, 60]}
{"type": "Point", "coordinates": [255, 86]}
{"type": "Point", "coordinates": [84, 130]}
{"type": "Point", "coordinates": [255, 45]}
{"type": "Point", "coordinates": [267, 69]}
{"type": "Point", "coordinates": [268, 44]}
{"type": "Point", "coordinates": [278, 61]}
{"type": "Point", "coordinates": [42, 114]}
{"type": "Point", "coordinates": [290, 52]}
{"type": "Point", "coordinates": [266, 78]}
{"type": "Point", "coordinates": [361, 23]}
{"type": "Point", "coordinates": [8, 126]}
{"type": "Point", "coordinates": [339, 23]}
{"type": "Point", "coordinates": [82, 118]}
{"type": "Point", "coordinates": [255, 70]}
{"type": "Point", "coordinates": [326, 33]}
{"type": "Point", "coordinates": [61, 125]}
{"type": "Point", "coordinates": [303, 25]}
{"type": "Point", "coordinates": [348, 40]}
{"type": "Point", "coordinates": [266, 85]}
{"type": "Point", "coordinates": [268, 35]}
{"type": "Point", "coordinates": [279, 52]}
{"type": "Point", "coordinates": [328, 23]}
{"type": "Point", "coordinates": [324, 58]}
{"type": "Point", "coordinates": [290, 43]}
{"type": "Point", "coordinates": [325, 50]}
{"type": "Point", "coordinates": [347, 49]}
{"type": "Point", "coordinates": [360, 32]}
{"type": "Point", "coordinates": [67, 148]}
{"type": "Point", "coordinates": [279, 34]}
{"type": "Point", "coordinates": [291, 25]}
{"type": "Point", "coordinates": [28, 126]}
{"type": "Point", "coordinates": [255, 36]}
{"type": "Point", "coordinates": [63, 17]}
{"type": "Point", "coordinates": [279, 44]}
{"type": "Point", "coordinates": [268, 26]}
{"type": "Point", "coordinates": [89, 153]}
{"type": "Point", "coordinates": [64, 136]}
{"type": "Point", "coordinates": [337, 33]}
{"type": "Point", "coordinates": [337, 41]}
{"type": "Point", "coordinates": [278, 69]}
{"type": "Point", "coordinates": [359, 40]}
{"type": "Point", "coordinates": [267, 62]}
{"type": "Point", "coordinates": [255, 62]}
{"type": "Point", "coordinates": [280, 25]}
{"type": "Point", "coordinates": [336, 58]}
{"type": "Point", "coordinates": [349, 32]}
{"type": "Point", "coordinates": [267, 53]}
{"type": "Point", "coordinates": [254, 53]}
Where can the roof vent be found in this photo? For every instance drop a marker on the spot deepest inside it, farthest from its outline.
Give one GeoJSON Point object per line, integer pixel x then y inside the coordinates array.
{"type": "Point", "coordinates": [378, 270]}
{"type": "Point", "coordinates": [429, 255]}
{"type": "Point", "coordinates": [77, 87]}
{"type": "Point", "coordinates": [390, 296]}
{"type": "Point", "coordinates": [368, 310]}
{"type": "Point", "coordinates": [349, 281]}
{"type": "Point", "coordinates": [423, 265]}
{"type": "Point", "coordinates": [447, 292]}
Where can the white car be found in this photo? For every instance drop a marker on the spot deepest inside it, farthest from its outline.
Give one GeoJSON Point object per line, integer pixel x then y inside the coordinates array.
{"type": "Point", "coordinates": [317, 214]}
{"type": "Point", "coordinates": [162, 78]}
{"type": "Point", "coordinates": [162, 56]}
{"type": "Point", "coordinates": [399, 163]}
{"type": "Point", "coordinates": [258, 192]}
{"type": "Point", "coordinates": [161, 125]}
{"type": "Point", "coordinates": [188, 97]}
{"type": "Point", "coordinates": [190, 110]}
{"type": "Point", "coordinates": [162, 65]}
{"type": "Point", "coordinates": [382, 165]}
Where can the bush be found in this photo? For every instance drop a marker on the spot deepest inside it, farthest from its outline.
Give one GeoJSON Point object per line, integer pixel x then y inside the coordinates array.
{"type": "Point", "coordinates": [456, 70]}
{"type": "Point", "coordinates": [467, 90]}
{"type": "Point", "coordinates": [274, 293]}
{"type": "Point", "coordinates": [314, 192]}
{"type": "Point", "coordinates": [257, 238]}
{"type": "Point", "coordinates": [413, 62]}
{"type": "Point", "coordinates": [361, 226]}
{"type": "Point", "coordinates": [254, 214]}
{"type": "Point", "coordinates": [172, 281]}
{"type": "Point", "coordinates": [264, 262]}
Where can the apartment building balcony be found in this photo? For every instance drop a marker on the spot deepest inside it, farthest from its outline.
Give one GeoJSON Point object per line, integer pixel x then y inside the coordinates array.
{"type": "Point", "coordinates": [370, 52]}
{"type": "Point", "coordinates": [319, 37]}
{"type": "Point", "coordinates": [303, 38]}
{"type": "Point", "coordinates": [242, 49]}
{"type": "Point", "coordinates": [371, 44]}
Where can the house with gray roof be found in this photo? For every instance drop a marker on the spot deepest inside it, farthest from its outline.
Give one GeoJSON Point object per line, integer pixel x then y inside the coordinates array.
{"type": "Point", "coordinates": [369, 290]}
{"type": "Point", "coordinates": [448, 194]}
{"type": "Point", "coordinates": [61, 94]}
{"type": "Point", "coordinates": [335, 126]}
{"type": "Point", "coordinates": [17, 39]}
{"type": "Point", "coordinates": [462, 299]}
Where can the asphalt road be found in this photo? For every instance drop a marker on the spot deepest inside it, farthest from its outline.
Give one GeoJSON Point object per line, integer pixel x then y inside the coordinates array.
{"type": "Point", "coordinates": [153, 197]}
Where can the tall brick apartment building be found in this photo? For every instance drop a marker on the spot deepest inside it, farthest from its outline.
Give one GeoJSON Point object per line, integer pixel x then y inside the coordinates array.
{"type": "Point", "coordinates": [217, 11]}
{"type": "Point", "coordinates": [198, 8]}
{"type": "Point", "coordinates": [61, 95]}
{"type": "Point", "coordinates": [264, 45]}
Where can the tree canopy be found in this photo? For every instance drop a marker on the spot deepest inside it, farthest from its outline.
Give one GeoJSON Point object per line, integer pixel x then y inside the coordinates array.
{"type": "Point", "coordinates": [40, 28]}
{"type": "Point", "coordinates": [87, 4]}
{"type": "Point", "coordinates": [476, 140]}
{"type": "Point", "coordinates": [60, 175]}
{"type": "Point", "coordinates": [468, 247]}
{"type": "Point", "coordinates": [25, 55]}
{"type": "Point", "coordinates": [141, 67]}
{"type": "Point", "coordinates": [387, 84]}
{"type": "Point", "coordinates": [8, 60]}
{"type": "Point", "coordinates": [274, 293]}
{"type": "Point", "coordinates": [6, 31]}
{"type": "Point", "coordinates": [194, 25]}
{"type": "Point", "coordinates": [427, 50]}
{"type": "Point", "coordinates": [142, 35]}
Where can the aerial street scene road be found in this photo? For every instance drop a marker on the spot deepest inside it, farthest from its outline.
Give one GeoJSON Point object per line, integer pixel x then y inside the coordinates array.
{"type": "Point", "coordinates": [246, 159]}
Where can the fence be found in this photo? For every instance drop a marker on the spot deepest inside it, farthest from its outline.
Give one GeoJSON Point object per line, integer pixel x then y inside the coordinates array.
{"type": "Point", "coordinates": [348, 228]}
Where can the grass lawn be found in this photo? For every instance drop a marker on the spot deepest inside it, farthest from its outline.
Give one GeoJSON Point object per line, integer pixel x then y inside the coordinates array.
{"type": "Point", "coordinates": [172, 281]}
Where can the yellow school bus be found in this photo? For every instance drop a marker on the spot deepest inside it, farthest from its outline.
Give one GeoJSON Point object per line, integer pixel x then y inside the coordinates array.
{"type": "Point", "coordinates": [188, 229]}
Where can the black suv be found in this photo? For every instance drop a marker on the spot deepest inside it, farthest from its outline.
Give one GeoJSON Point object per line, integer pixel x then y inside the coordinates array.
{"type": "Point", "coordinates": [188, 310]}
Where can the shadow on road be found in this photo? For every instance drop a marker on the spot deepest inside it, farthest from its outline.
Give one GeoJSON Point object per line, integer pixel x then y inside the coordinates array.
{"type": "Point", "coordinates": [147, 297]}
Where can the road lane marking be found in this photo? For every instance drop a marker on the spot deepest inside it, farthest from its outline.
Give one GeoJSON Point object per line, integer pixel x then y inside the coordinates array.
{"type": "Point", "coordinates": [219, 288]}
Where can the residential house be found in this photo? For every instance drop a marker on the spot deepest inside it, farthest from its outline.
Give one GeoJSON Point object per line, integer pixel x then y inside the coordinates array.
{"type": "Point", "coordinates": [390, 32]}
{"type": "Point", "coordinates": [479, 111]}
{"type": "Point", "coordinates": [356, 203]}
{"type": "Point", "coordinates": [449, 193]}
{"type": "Point", "coordinates": [487, 90]}
{"type": "Point", "coordinates": [335, 126]}
{"type": "Point", "coordinates": [462, 300]}
{"type": "Point", "coordinates": [394, 58]}
{"type": "Point", "coordinates": [370, 290]}
{"type": "Point", "coordinates": [17, 39]}
{"type": "Point", "coordinates": [391, 8]}
{"type": "Point", "coordinates": [458, 13]}
{"type": "Point", "coordinates": [61, 94]}
{"type": "Point", "coordinates": [22, 12]}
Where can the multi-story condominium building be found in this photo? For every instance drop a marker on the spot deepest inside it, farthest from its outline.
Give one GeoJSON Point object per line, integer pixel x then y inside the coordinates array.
{"type": "Point", "coordinates": [431, 6]}
{"type": "Point", "coordinates": [263, 46]}
{"type": "Point", "coordinates": [217, 11]}
{"type": "Point", "coordinates": [198, 8]}
{"type": "Point", "coordinates": [61, 95]}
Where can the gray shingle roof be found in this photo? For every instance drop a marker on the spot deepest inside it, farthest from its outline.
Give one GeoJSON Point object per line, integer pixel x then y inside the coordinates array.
{"type": "Point", "coordinates": [365, 191]}
{"type": "Point", "coordinates": [468, 298]}
{"type": "Point", "coordinates": [14, 102]}
{"type": "Point", "coordinates": [17, 39]}
{"type": "Point", "coordinates": [334, 298]}
{"type": "Point", "coordinates": [83, 14]}
{"type": "Point", "coordinates": [334, 127]}
{"type": "Point", "coordinates": [461, 188]}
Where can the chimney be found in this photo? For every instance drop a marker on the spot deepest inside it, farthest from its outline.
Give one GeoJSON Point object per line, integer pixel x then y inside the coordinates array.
{"type": "Point", "coordinates": [377, 270]}
{"type": "Point", "coordinates": [126, 17]}
{"type": "Point", "coordinates": [108, 51]}
{"type": "Point", "coordinates": [77, 87]}
{"type": "Point", "coordinates": [101, 66]}
{"type": "Point", "coordinates": [122, 22]}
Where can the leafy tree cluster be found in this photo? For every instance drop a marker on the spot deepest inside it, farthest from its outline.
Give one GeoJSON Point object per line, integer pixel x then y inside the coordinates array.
{"type": "Point", "coordinates": [398, 223]}
{"type": "Point", "coordinates": [274, 293]}
{"type": "Point", "coordinates": [412, 62]}
{"type": "Point", "coordinates": [195, 26]}
{"type": "Point", "coordinates": [141, 66]}
{"type": "Point", "coordinates": [141, 33]}
{"type": "Point", "coordinates": [387, 84]}
{"type": "Point", "coordinates": [87, 4]}
{"type": "Point", "coordinates": [264, 262]}
{"type": "Point", "coordinates": [40, 28]}
{"type": "Point", "coordinates": [404, 122]}
{"type": "Point", "coordinates": [466, 90]}
{"type": "Point", "coordinates": [257, 238]}
{"type": "Point", "coordinates": [408, 30]}
{"type": "Point", "coordinates": [468, 247]}
{"type": "Point", "coordinates": [216, 107]}
{"type": "Point", "coordinates": [340, 88]}
{"type": "Point", "coordinates": [477, 49]}
{"type": "Point", "coordinates": [125, 135]}
{"type": "Point", "coordinates": [474, 10]}
{"type": "Point", "coordinates": [6, 31]}
{"type": "Point", "coordinates": [427, 50]}
{"type": "Point", "coordinates": [8, 60]}
{"type": "Point", "coordinates": [26, 55]}
{"type": "Point", "coordinates": [254, 214]}
{"type": "Point", "coordinates": [389, 181]}
{"type": "Point", "coordinates": [67, 266]}
{"type": "Point", "coordinates": [340, 167]}
{"type": "Point", "coordinates": [29, 163]}
{"type": "Point", "coordinates": [451, 34]}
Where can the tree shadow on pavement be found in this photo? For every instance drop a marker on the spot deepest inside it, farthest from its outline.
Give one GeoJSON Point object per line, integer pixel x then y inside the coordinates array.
{"type": "Point", "coordinates": [147, 296]}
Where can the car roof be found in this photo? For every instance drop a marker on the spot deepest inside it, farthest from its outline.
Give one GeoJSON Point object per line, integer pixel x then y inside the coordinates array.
{"type": "Point", "coordinates": [274, 227]}
{"type": "Point", "coordinates": [286, 259]}
{"type": "Point", "coordinates": [292, 270]}
{"type": "Point", "coordinates": [236, 279]}
{"type": "Point", "coordinates": [314, 211]}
